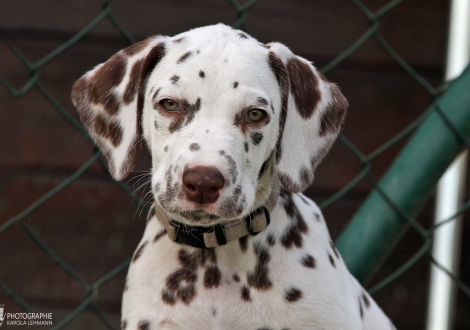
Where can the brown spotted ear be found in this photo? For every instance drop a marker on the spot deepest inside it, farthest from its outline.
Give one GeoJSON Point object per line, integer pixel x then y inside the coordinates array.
{"type": "Point", "coordinates": [109, 100]}
{"type": "Point", "coordinates": [313, 110]}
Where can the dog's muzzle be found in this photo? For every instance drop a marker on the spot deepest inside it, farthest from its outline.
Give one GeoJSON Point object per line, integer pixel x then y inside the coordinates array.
{"type": "Point", "coordinates": [219, 234]}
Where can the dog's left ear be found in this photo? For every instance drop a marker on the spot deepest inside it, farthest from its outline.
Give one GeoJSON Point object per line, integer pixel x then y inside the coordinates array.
{"type": "Point", "coordinates": [109, 100]}
{"type": "Point", "coordinates": [313, 110]}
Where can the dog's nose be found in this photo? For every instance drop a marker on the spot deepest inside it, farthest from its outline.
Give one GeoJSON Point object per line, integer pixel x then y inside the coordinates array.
{"type": "Point", "coordinates": [202, 184]}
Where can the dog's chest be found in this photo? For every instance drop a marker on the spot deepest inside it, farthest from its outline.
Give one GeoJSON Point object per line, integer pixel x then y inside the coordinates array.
{"type": "Point", "coordinates": [270, 281]}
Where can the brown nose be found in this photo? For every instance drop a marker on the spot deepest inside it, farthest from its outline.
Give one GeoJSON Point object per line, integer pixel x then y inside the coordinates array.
{"type": "Point", "coordinates": [202, 184]}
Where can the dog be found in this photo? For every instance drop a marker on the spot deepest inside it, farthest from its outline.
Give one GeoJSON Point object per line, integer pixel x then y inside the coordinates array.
{"type": "Point", "coordinates": [235, 129]}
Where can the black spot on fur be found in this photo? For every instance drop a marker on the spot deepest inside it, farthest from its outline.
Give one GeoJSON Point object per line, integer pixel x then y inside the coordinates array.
{"type": "Point", "coordinates": [202, 74]}
{"type": "Point", "coordinates": [293, 295]}
{"type": "Point", "coordinates": [166, 148]}
{"type": "Point", "coordinates": [309, 261]}
{"type": "Point", "coordinates": [221, 152]}
{"type": "Point", "coordinates": [235, 84]}
{"type": "Point", "coordinates": [242, 35]}
{"type": "Point", "coordinates": [256, 138]}
{"type": "Point", "coordinates": [155, 124]}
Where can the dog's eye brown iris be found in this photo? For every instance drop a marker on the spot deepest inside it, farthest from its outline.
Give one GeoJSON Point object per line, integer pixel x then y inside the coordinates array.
{"type": "Point", "coordinates": [255, 115]}
{"type": "Point", "coordinates": [169, 105]}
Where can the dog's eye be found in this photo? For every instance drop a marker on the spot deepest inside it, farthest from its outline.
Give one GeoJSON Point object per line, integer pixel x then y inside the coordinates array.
{"type": "Point", "coordinates": [255, 115]}
{"type": "Point", "coordinates": [169, 105]}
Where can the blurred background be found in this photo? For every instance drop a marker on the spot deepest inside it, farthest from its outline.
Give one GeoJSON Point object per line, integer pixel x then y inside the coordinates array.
{"type": "Point", "coordinates": [50, 258]}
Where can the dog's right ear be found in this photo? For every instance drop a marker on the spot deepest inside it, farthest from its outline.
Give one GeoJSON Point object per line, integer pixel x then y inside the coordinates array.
{"type": "Point", "coordinates": [109, 100]}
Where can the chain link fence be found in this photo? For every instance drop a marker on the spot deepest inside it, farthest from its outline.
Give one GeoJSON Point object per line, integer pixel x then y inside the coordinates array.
{"type": "Point", "coordinates": [241, 11]}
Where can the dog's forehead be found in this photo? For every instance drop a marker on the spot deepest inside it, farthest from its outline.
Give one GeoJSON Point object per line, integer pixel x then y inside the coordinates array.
{"type": "Point", "coordinates": [218, 58]}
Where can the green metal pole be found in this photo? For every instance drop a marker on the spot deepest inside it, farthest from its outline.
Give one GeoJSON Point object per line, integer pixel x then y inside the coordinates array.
{"type": "Point", "coordinates": [376, 227]}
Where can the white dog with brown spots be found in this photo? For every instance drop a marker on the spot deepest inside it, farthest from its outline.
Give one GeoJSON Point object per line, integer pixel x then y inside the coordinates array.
{"type": "Point", "coordinates": [236, 129]}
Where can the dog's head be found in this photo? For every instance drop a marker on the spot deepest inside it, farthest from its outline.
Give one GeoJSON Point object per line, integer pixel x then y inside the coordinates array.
{"type": "Point", "coordinates": [221, 114]}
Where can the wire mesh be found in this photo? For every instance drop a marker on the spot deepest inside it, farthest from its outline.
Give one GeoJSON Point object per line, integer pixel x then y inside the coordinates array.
{"type": "Point", "coordinates": [241, 11]}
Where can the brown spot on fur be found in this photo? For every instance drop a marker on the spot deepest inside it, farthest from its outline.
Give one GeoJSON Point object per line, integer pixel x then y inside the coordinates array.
{"type": "Point", "coordinates": [259, 279]}
{"type": "Point", "coordinates": [332, 261]}
{"type": "Point", "coordinates": [366, 300]}
{"type": "Point", "coordinates": [333, 115]}
{"type": "Point", "coordinates": [109, 129]}
{"type": "Point", "coordinates": [144, 325]}
{"type": "Point", "coordinates": [159, 235]}
{"type": "Point", "coordinates": [168, 297]}
{"type": "Point", "coordinates": [235, 84]}
{"type": "Point", "coordinates": [265, 166]}
{"type": "Point", "coordinates": [293, 235]}
{"type": "Point", "coordinates": [194, 147]}
{"type": "Point", "coordinates": [243, 243]}
{"type": "Point", "coordinates": [138, 252]}
{"type": "Point", "coordinates": [174, 79]}
{"type": "Point", "coordinates": [186, 115]}
{"type": "Point", "coordinates": [202, 74]}
{"type": "Point", "coordinates": [245, 144]}
{"type": "Point", "coordinates": [184, 57]}
{"type": "Point", "coordinates": [303, 86]}
{"type": "Point", "coordinates": [256, 138]}
{"type": "Point", "coordinates": [361, 312]}
{"type": "Point", "coordinates": [333, 247]}
{"type": "Point", "coordinates": [246, 293]}
{"type": "Point", "coordinates": [212, 277]}
{"type": "Point", "coordinates": [261, 101]}
{"type": "Point", "coordinates": [123, 324]}
{"type": "Point", "coordinates": [309, 261]}
{"type": "Point", "coordinates": [155, 95]}
{"type": "Point", "coordinates": [293, 295]}
{"type": "Point", "coordinates": [271, 240]}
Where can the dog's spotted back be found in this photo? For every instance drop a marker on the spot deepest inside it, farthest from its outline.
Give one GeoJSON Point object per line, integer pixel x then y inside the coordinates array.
{"type": "Point", "coordinates": [224, 116]}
